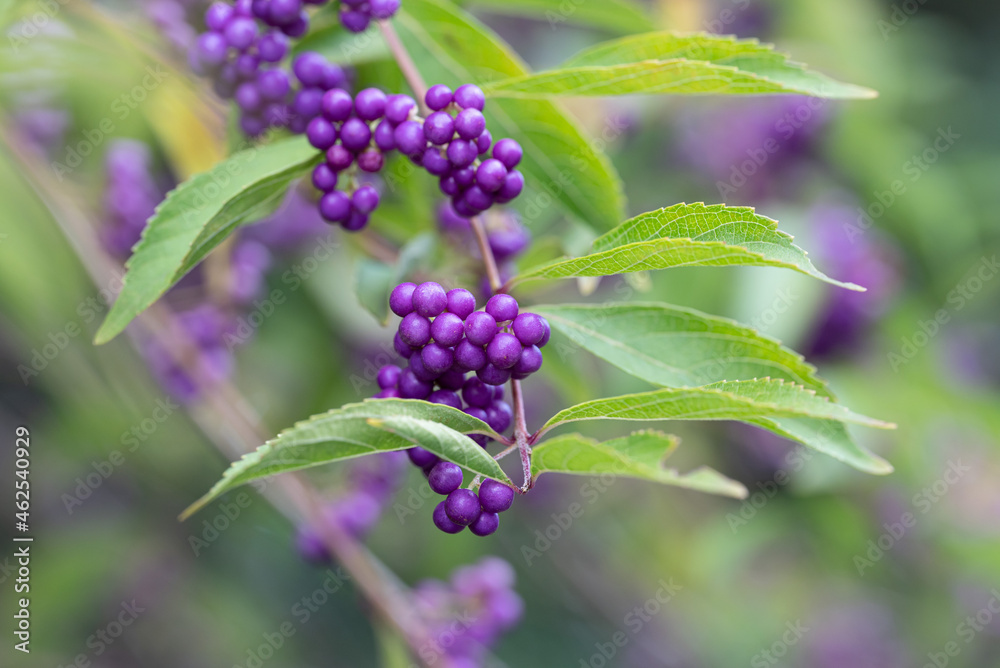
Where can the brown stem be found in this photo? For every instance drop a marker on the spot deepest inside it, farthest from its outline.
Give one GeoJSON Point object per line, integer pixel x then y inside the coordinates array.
{"type": "Point", "coordinates": [521, 434]}
{"type": "Point", "coordinates": [238, 429]}
{"type": "Point", "coordinates": [406, 64]}
{"type": "Point", "coordinates": [490, 262]}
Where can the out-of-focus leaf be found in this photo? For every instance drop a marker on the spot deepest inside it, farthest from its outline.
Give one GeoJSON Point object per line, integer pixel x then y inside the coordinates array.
{"type": "Point", "coordinates": [620, 16]}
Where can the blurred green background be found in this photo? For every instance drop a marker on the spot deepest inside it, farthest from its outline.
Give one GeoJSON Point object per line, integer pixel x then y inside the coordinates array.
{"type": "Point", "coordinates": [815, 569]}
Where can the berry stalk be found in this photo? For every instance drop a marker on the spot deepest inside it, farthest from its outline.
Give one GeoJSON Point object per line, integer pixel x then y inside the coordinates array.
{"type": "Point", "coordinates": [406, 64]}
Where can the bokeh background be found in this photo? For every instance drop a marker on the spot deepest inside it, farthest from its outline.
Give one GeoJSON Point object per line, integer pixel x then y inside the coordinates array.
{"type": "Point", "coordinates": [822, 567]}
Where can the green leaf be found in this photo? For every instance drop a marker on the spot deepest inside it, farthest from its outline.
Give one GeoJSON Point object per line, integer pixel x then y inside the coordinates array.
{"type": "Point", "coordinates": [340, 46]}
{"type": "Point", "coordinates": [622, 16]}
{"type": "Point", "coordinates": [355, 430]}
{"type": "Point", "coordinates": [198, 216]}
{"type": "Point", "coordinates": [670, 63]}
{"type": "Point", "coordinates": [687, 235]}
{"type": "Point", "coordinates": [758, 402]}
{"type": "Point", "coordinates": [375, 280]}
{"type": "Point", "coordinates": [640, 455]}
{"type": "Point", "coordinates": [678, 347]}
{"type": "Point", "coordinates": [449, 46]}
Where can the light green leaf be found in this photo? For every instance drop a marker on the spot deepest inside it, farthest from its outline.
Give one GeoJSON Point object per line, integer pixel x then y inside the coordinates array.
{"type": "Point", "coordinates": [687, 235]}
{"type": "Point", "coordinates": [198, 215]}
{"type": "Point", "coordinates": [622, 16]}
{"type": "Point", "coordinates": [677, 347]}
{"type": "Point", "coordinates": [640, 455]}
{"type": "Point", "coordinates": [449, 46]}
{"type": "Point", "coordinates": [756, 402]}
{"type": "Point", "coordinates": [355, 430]}
{"type": "Point", "coordinates": [670, 63]}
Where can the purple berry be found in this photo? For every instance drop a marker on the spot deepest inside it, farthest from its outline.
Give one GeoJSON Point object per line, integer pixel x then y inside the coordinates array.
{"type": "Point", "coordinates": [384, 137]}
{"type": "Point", "coordinates": [401, 347]}
{"type": "Point", "coordinates": [401, 299]}
{"type": "Point", "coordinates": [461, 302]}
{"type": "Point", "coordinates": [430, 299]}
{"type": "Point", "coordinates": [409, 136]}
{"type": "Point", "coordinates": [495, 497]}
{"type": "Point", "coordinates": [371, 160]}
{"type": "Point", "coordinates": [528, 363]}
{"type": "Point", "coordinates": [240, 33]}
{"type": "Point", "coordinates": [438, 97]}
{"type": "Point", "coordinates": [272, 47]}
{"type": "Point", "coordinates": [436, 358]}
{"type": "Point", "coordinates": [337, 105]}
{"type": "Point", "coordinates": [439, 127]}
{"type": "Point", "coordinates": [461, 152]}
{"type": "Point", "coordinates": [435, 163]}
{"type": "Point", "coordinates": [415, 329]}
{"type": "Point", "coordinates": [469, 357]}
{"type": "Point", "coordinates": [355, 134]}
{"type": "Point", "coordinates": [529, 328]}
{"type": "Point", "coordinates": [508, 152]}
{"type": "Point", "coordinates": [369, 104]}
{"type": "Point", "coordinates": [445, 398]}
{"type": "Point", "coordinates": [308, 103]}
{"type": "Point", "coordinates": [462, 507]}
{"type": "Point", "coordinates": [492, 375]}
{"type": "Point", "coordinates": [248, 97]}
{"type": "Point", "coordinates": [273, 84]}
{"type": "Point", "coordinates": [448, 329]}
{"type": "Point", "coordinates": [310, 547]}
{"type": "Point", "coordinates": [480, 328]}
{"type": "Point", "coordinates": [499, 416]}
{"type": "Point", "coordinates": [339, 158]}
{"type": "Point", "coordinates": [354, 20]}
{"type": "Point", "coordinates": [398, 108]}
{"type": "Point", "coordinates": [445, 478]}
{"type": "Point", "coordinates": [503, 307]}
{"type": "Point", "coordinates": [448, 185]}
{"type": "Point", "coordinates": [211, 49]}
{"type": "Point", "coordinates": [388, 376]}
{"type": "Point", "coordinates": [217, 16]}
{"type": "Point", "coordinates": [485, 524]}
{"type": "Point", "coordinates": [309, 69]}
{"type": "Point", "coordinates": [321, 133]}
{"type": "Point", "coordinates": [477, 413]}
{"type": "Point", "coordinates": [365, 199]}
{"type": "Point", "coordinates": [384, 9]}
{"type": "Point", "coordinates": [421, 371]}
{"type": "Point", "coordinates": [465, 177]}
{"type": "Point", "coordinates": [504, 350]}
{"type": "Point", "coordinates": [478, 199]}
{"type": "Point", "coordinates": [442, 522]}
{"type": "Point", "coordinates": [484, 142]}
{"type": "Point", "coordinates": [453, 379]}
{"type": "Point", "coordinates": [477, 393]}
{"type": "Point", "coordinates": [512, 186]}
{"type": "Point", "coordinates": [470, 96]}
{"type": "Point", "coordinates": [411, 387]}
{"type": "Point", "coordinates": [324, 178]}
{"type": "Point", "coordinates": [546, 335]}
{"type": "Point", "coordinates": [422, 458]}
{"type": "Point", "coordinates": [283, 12]}
{"type": "Point", "coordinates": [335, 206]}
{"type": "Point", "coordinates": [469, 124]}
{"type": "Point", "coordinates": [490, 175]}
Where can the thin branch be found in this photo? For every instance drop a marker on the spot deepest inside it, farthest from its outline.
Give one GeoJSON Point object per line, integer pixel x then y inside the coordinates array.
{"type": "Point", "coordinates": [490, 262]}
{"type": "Point", "coordinates": [406, 64]}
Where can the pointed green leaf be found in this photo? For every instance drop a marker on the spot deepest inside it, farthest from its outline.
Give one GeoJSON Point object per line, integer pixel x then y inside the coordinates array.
{"type": "Point", "coordinates": [198, 215]}
{"type": "Point", "coordinates": [760, 402]}
{"type": "Point", "coordinates": [670, 63]}
{"type": "Point", "coordinates": [677, 347]}
{"type": "Point", "coordinates": [687, 235]}
{"type": "Point", "coordinates": [449, 46]}
{"type": "Point", "coordinates": [355, 430]}
{"type": "Point", "coordinates": [639, 455]}
{"type": "Point", "coordinates": [622, 16]}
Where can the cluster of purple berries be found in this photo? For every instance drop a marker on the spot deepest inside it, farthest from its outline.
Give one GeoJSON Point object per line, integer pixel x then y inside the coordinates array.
{"type": "Point", "coordinates": [356, 15]}
{"type": "Point", "coordinates": [374, 480]}
{"type": "Point", "coordinates": [468, 614]}
{"type": "Point", "coordinates": [244, 63]}
{"type": "Point", "coordinates": [362, 129]}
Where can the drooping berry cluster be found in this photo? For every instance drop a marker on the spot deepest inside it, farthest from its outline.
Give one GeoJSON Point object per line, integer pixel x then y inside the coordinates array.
{"type": "Point", "coordinates": [444, 338]}
{"type": "Point", "coordinates": [468, 614]}
{"type": "Point", "coordinates": [361, 130]}
{"type": "Point", "coordinates": [356, 15]}
{"type": "Point", "coordinates": [243, 61]}
{"type": "Point", "coordinates": [374, 480]}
